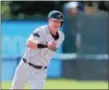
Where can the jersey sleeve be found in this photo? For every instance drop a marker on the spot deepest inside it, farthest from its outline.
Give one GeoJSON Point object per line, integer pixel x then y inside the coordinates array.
{"type": "Point", "coordinates": [37, 34]}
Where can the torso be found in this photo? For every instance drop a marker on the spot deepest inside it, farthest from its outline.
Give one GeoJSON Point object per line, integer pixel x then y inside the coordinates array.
{"type": "Point", "coordinates": [43, 56]}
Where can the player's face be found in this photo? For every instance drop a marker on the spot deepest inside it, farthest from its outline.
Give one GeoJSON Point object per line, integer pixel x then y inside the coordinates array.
{"type": "Point", "coordinates": [55, 23]}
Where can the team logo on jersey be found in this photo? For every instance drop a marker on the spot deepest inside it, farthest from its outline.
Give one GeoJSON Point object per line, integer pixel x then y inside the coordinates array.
{"type": "Point", "coordinates": [53, 49]}
{"type": "Point", "coordinates": [36, 34]}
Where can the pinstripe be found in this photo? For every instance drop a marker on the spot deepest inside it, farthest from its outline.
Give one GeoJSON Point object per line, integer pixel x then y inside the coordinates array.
{"type": "Point", "coordinates": [46, 39]}
{"type": "Point", "coordinates": [25, 73]}
{"type": "Point", "coordinates": [44, 51]}
{"type": "Point", "coordinates": [20, 77]}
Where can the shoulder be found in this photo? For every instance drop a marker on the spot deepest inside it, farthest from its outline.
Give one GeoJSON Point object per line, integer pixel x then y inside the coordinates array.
{"type": "Point", "coordinates": [40, 29]}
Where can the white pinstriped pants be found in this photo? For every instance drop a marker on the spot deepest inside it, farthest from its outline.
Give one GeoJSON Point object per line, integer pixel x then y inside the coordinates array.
{"type": "Point", "coordinates": [27, 74]}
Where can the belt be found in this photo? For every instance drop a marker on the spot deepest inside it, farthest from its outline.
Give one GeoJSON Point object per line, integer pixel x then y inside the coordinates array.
{"type": "Point", "coordinates": [35, 66]}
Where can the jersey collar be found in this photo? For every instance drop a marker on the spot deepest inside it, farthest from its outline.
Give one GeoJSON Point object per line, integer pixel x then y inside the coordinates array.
{"type": "Point", "coordinates": [54, 37]}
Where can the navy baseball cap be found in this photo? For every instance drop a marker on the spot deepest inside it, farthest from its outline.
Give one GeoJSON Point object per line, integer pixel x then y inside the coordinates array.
{"type": "Point", "coordinates": [56, 15]}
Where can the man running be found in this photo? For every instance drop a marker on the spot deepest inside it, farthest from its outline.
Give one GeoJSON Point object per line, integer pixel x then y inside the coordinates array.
{"type": "Point", "coordinates": [41, 46]}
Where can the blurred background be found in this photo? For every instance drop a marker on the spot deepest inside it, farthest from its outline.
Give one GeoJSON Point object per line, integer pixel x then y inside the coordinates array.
{"type": "Point", "coordinates": [81, 62]}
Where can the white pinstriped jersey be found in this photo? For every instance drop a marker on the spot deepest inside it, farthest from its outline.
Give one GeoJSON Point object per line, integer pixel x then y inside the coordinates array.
{"type": "Point", "coordinates": [42, 56]}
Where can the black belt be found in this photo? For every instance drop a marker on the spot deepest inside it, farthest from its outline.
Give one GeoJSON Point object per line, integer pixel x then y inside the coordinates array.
{"type": "Point", "coordinates": [35, 66]}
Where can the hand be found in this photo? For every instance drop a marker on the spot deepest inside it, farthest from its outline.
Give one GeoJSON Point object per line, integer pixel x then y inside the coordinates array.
{"type": "Point", "coordinates": [52, 45]}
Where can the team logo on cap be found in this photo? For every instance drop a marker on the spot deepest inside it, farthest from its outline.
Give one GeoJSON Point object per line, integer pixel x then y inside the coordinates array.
{"type": "Point", "coordinates": [59, 16]}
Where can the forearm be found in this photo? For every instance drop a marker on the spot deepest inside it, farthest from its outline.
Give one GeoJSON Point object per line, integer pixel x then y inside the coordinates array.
{"type": "Point", "coordinates": [36, 44]}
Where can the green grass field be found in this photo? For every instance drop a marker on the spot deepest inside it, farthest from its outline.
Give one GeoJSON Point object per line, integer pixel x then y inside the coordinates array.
{"type": "Point", "coordinates": [67, 84]}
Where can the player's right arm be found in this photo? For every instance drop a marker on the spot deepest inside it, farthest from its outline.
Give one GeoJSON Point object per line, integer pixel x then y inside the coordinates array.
{"type": "Point", "coordinates": [35, 41]}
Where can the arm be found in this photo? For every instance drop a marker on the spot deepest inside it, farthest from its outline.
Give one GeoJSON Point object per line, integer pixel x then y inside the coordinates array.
{"type": "Point", "coordinates": [36, 44]}
{"type": "Point", "coordinates": [35, 39]}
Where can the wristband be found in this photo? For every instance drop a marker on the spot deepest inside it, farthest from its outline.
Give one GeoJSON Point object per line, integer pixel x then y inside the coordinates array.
{"type": "Point", "coordinates": [41, 45]}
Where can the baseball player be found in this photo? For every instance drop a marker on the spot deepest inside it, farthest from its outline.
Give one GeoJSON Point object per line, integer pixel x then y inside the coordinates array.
{"type": "Point", "coordinates": [41, 46]}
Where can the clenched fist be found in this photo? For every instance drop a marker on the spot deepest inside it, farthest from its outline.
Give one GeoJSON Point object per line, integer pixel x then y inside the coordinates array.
{"type": "Point", "coordinates": [52, 45]}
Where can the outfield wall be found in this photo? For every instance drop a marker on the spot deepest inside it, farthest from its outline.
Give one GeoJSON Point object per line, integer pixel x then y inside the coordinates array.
{"type": "Point", "coordinates": [88, 33]}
